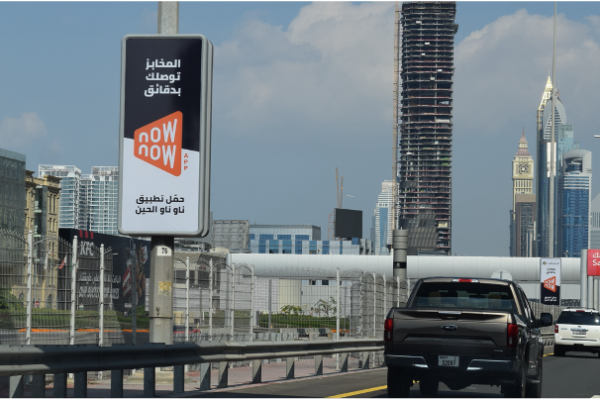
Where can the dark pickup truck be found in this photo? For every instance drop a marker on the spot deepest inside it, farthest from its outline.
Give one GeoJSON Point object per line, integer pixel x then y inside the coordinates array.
{"type": "Point", "coordinates": [464, 331]}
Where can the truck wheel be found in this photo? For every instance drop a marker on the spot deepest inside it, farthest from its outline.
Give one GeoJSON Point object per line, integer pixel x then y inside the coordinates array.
{"type": "Point", "coordinates": [398, 384]}
{"type": "Point", "coordinates": [428, 388]}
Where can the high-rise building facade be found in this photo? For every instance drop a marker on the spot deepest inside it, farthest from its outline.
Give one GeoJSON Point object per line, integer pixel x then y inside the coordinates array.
{"type": "Point", "coordinates": [102, 197]}
{"type": "Point", "coordinates": [522, 175]}
{"type": "Point", "coordinates": [12, 191]}
{"type": "Point", "coordinates": [70, 194]}
{"type": "Point", "coordinates": [383, 219]}
{"type": "Point", "coordinates": [524, 224]}
{"type": "Point", "coordinates": [575, 194]}
{"type": "Point", "coordinates": [88, 201]}
{"type": "Point", "coordinates": [595, 223]}
{"type": "Point", "coordinates": [543, 173]}
{"type": "Point", "coordinates": [424, 166]}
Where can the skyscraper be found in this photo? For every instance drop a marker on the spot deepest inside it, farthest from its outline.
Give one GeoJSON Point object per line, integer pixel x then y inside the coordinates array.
{"type": "Point", "coordinates": [544, 128]}
{"type": "Point", "coordinates": [88, 201]}
{"type": "Point", "coordinates": [12, 191]}
{"type": "Point", "coordinates": [575, 198]}
{"type": "Point", "coordinates": [595, 223]}
{"type": "Point", "coordinates": [69, 215]}
{"type": "Point", "coordinates": [524, 223]}
{"type": "Point", "coordinates": [102, 197]}
{"type": "Point", "coordinates": [424, 178]}
{"type": "Point", "coordinates": [383, 219]}
{"type": "Point", "coordinates": [522, 171]}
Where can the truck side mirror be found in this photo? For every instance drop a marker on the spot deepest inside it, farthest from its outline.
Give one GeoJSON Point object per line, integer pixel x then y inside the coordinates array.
{"type": "Point", "coordinates": [546, 319]}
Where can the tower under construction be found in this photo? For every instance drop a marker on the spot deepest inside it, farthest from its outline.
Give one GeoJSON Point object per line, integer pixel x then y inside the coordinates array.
{"type": "Point", "coordinates": [423, 145]}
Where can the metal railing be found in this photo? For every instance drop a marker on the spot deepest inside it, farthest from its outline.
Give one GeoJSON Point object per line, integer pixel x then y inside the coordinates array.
{"type": "Point", "coordinates": [18, 361]}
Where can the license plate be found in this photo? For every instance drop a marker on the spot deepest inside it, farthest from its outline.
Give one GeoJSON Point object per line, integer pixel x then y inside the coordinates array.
{"type": "Point", "coordinates": [448, 361]}
{"type": "Point", "coordinates": [578, 332]}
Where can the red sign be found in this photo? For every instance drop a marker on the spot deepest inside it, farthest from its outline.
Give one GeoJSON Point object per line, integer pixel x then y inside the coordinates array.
{"type": "Point", "coordinates": [593, 263]}
{"type": "Point", "coordinates": [37, 303]}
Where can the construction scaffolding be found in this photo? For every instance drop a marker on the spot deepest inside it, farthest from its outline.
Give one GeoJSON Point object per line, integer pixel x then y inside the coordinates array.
{"type": "Point", "coordinates": [424, 167]}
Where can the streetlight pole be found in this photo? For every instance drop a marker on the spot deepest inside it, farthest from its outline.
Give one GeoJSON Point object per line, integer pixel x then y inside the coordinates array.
{"type": "Point", "coordinates": [161, 258]}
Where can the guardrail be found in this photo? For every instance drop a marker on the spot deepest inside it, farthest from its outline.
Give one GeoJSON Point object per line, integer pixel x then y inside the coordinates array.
{"type": "Point", "coordinates": [18, 361]}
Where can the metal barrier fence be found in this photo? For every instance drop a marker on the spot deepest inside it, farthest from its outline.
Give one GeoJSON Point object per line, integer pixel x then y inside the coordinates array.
{"type": "Point", "coordinates": [60, 360]}
{"type": "Point", "coordinates": [49, 292]}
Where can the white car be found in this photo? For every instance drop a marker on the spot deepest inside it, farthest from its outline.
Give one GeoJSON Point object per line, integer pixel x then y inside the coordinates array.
{"type": "Point", "coordinates": [577, 329]}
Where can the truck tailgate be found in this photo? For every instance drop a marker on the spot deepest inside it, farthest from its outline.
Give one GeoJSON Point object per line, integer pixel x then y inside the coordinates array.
{"type": "Point", "coordinates": [443, 332]}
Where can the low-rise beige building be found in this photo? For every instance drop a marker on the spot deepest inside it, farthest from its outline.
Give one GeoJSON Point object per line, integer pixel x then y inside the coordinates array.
{"type": "Point", "coordinates": [41, 218]}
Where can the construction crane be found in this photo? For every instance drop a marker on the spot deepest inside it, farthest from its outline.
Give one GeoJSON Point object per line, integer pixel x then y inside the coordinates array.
{"type": "Point", "coordinates": [339, 192]}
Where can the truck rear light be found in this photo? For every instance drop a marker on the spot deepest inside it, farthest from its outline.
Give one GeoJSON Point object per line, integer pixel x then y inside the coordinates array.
{"type": "Point", "coordinates": [512, 335]}
{"type": "Point", "coordinates": [388, 329]}
{"type": "Point", "coordinates": [462, 280]}
{"type": "Point", "coordinates": [555, 328]}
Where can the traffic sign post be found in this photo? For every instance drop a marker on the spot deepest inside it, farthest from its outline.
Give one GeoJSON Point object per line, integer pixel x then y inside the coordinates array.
{"type": "Point", "coordinates": [164, 154]}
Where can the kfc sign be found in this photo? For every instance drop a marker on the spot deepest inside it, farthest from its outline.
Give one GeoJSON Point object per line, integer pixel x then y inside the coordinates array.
{"type": "Point", "coordinates": [593, 262]}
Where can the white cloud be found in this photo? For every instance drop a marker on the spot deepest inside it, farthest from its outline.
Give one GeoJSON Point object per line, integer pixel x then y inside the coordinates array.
{"type": "Point", "coordinates": [23, 131]}
{"type": "Point", "coordinates": [329, 76]}
{"type": "Point", "coordinates": [326, 72]}
{"type": "Point", "coordinates": [501, 70]}
{"type": "Point", "coordinates": [149, 19]}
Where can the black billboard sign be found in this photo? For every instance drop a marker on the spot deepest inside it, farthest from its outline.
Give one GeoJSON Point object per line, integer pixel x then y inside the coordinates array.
{"type": "Point", "coordinates": [166, 97]}
{"type": "Point", "coordinates": [128, 257]}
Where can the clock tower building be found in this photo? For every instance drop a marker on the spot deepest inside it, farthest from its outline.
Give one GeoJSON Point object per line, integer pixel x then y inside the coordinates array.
{"type": "Point", "coordinates": [522, 171]}
{"type": "Point", "coordinates": [522, 215]}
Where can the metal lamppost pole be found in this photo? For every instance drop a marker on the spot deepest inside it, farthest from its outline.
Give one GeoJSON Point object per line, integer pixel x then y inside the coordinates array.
{"type": "Point", "coordinates": [161, 258]}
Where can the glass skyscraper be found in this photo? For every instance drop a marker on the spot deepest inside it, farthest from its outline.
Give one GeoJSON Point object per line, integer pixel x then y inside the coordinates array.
{"type": "Point", "coordinates": [544, 128]}
{"type": "Point", "coordinates": [87, 201]}
{"type": "Point", "coordinates": [383, 219]}
{"type": "Point", "coordinates": [575, 194]}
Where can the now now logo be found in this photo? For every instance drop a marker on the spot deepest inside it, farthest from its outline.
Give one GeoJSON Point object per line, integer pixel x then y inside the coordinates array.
{"type": "Point", "coordinates": [550, 284]}
{"type": "Point", "coordinates": [159, 143]}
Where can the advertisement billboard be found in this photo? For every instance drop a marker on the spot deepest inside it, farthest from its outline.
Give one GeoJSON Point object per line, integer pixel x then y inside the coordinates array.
{"type": "Point", "coordinates": [164, 159]}
{"type": "Point", "coordinates": [593, 262]}
{"type": "Point", "coordinates": [348, 223]}
{"type": "Point", "coordinates": [128, 258]}
{"type": "Point", "coordinates": [550, 281]}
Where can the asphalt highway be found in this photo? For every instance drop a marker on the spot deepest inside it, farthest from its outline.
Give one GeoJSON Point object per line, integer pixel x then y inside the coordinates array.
{"type": "Point", "coordinates": [572, 376]}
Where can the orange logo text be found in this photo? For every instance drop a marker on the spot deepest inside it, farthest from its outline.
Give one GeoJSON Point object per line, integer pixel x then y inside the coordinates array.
{"type": "Point", "coordinates": [550, 284]}
{"type": "Point", "coordinates": [159, 143]}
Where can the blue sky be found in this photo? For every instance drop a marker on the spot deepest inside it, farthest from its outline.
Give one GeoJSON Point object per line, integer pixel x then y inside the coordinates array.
{"type": "Point", "coordinates": [300, 89]}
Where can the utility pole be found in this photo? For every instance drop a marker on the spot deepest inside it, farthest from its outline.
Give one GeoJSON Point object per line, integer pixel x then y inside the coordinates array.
{"type": "Point", "coordinates": [161, 256]}
{"type": "Point", "coordinates": [399, 251]}
{"type": "Point", "coordinates": [552, 143]}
